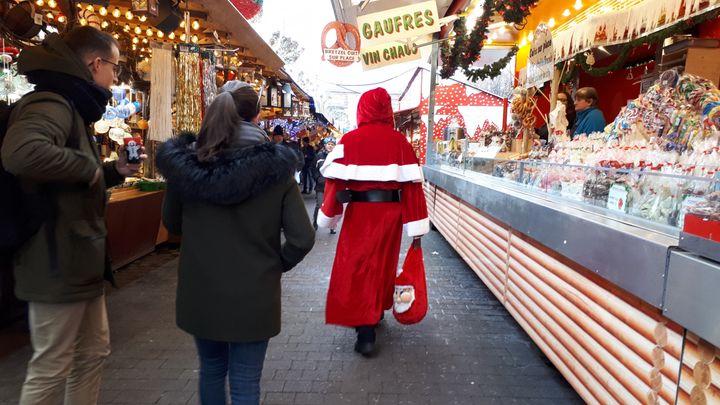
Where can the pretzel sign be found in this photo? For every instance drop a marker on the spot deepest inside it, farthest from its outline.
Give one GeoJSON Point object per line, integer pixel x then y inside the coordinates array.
{"type": "Point", "coordinates": [340, 53]}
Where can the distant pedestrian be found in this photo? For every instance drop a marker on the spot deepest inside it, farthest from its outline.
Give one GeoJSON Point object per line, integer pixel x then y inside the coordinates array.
{"type": "Point", "coordinates": [306, 179]}
{"type": "Point", "coordinates": [326, 147]}
{"type": "Point", "coordinates": [374, 169]}
{"type": "Point", "coordinates": [60, 269]}
{"type": "Point", "coordinates": [232, 197]}
{"type": "Point", "coordinates": [281, 138]}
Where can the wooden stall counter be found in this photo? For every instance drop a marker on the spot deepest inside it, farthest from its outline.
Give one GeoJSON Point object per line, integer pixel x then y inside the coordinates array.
{"type": "Point", "coordinates": [133, 220]}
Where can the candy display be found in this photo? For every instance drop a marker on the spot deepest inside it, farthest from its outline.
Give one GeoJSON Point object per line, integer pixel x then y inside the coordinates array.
{"type": "Point", "coordinates": [708, 208]}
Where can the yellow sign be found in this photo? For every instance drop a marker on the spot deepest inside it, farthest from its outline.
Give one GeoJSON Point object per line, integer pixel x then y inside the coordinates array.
{"type": "Point", "coordinates": [388, 54]}
{"type": "Point", "coordinates": [398, 24]}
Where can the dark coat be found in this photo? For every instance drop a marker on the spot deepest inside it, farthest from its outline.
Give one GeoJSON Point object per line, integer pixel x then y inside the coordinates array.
{"type": "Point", "coordinates": [232, 212]}
{"type": "Point", "coordinates": [315, 171]}
{"type": "Point", "coordinates": [35, 150]}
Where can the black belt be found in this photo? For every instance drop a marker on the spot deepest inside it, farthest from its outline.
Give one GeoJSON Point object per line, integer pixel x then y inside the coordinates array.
{"type": "Point", "coordinates": [346, 196]}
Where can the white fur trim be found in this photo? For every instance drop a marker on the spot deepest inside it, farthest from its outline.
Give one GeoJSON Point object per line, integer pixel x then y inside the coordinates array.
{"type": "Point", "coordinates": [325, 221]}
{"type": "Point", "coordinates": [337, 153]}
{"type": "Point", "coordinates": [394, 172]}
{"type": "Point", "coordinates": [417, 228]}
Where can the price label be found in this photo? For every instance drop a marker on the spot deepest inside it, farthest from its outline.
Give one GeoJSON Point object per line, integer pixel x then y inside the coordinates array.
{"type": "Point", "coordinates": [618, 198]}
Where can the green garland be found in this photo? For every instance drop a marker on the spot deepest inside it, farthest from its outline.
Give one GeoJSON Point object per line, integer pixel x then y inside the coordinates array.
{"type": "Point", "coordinates": [467, 49]}
{"type": "Point", "coordinates": [493, 70]}
{"type": "Point", "coordinates": [619, 63]}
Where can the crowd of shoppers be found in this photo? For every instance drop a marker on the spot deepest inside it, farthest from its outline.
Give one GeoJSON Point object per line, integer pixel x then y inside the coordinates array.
{"type": "Point", "coordinates": [231, 196]}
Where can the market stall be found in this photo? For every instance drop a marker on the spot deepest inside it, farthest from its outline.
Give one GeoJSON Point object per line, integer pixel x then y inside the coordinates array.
{"type": "Point", "coordinates": [602, 246]}
{"type": "Point", "coordinates": [173, 58]}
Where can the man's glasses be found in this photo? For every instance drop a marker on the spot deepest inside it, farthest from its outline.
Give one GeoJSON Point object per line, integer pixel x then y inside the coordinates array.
{"type": "Point", "coordinates": [117, 68]}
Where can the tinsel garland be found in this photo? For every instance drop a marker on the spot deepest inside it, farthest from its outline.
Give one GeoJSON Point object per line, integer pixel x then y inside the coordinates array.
{"type": "Point", "coordinates": [619, 62]}
{"type": "Point", "coordinates": [466, 50]}
{"type": "Point", "coordinates": [187, 91]}
{"type": "Point", "coordinates": [161, 78]}
{"type": "Point", "coordinates": [209, 86]}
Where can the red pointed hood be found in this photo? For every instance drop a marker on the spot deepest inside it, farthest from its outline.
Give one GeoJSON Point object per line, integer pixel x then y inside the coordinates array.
{"type": "Point", "coordinates": [375, 107]}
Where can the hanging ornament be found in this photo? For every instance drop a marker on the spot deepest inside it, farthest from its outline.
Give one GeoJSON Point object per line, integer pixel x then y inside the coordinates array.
{"type": "Point", "coordinates": [248, 8]}
{"type": "Point", "coordinates": [590, 59]}
{"type": "Point", "coordinates": [188, 91]}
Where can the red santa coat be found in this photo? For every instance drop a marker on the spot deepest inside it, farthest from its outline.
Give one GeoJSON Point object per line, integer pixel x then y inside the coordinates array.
{"type": "Point", "coordinates": [372, 157]}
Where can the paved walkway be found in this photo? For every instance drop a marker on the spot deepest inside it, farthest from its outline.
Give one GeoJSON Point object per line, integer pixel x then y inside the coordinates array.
{"type": "Point", "coordinates": [468, 350]}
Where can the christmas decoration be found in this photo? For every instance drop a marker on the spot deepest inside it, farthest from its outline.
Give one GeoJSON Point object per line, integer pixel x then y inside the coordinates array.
{"type": "Point", "coordinates": [188, 92]}
{"type": "Point", "coordinates": [619, 63]}
{"type": "Point", "coordinates": [466, 49]}
{"type": "Point", "coordinates": [248, 8]}
{"type": "Point", "coordinates": [628, 24]}
{"type": "Point", "coordinates": [209, 87]}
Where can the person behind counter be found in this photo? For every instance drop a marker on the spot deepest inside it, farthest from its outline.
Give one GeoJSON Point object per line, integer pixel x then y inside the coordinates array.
{"type": "Point", "coordinates": [589, 118]}
{"type": "Point", "coordinates": [562, 97]}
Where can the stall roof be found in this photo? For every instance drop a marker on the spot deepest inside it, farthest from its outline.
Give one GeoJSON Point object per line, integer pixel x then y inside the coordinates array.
{"type": "Point", "coordinates": [224, 13]}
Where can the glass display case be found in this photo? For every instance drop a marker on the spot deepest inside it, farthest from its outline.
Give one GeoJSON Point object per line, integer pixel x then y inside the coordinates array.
{"type": "Point", "coordinates": [648, 198]}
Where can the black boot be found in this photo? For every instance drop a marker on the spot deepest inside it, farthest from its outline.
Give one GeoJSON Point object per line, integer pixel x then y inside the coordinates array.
{"type": "Point", "coordinates": [365, 344]}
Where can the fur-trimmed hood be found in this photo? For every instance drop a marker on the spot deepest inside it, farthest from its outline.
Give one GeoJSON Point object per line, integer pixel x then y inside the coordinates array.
{"type": "Point", "coordinates": [231, 178]}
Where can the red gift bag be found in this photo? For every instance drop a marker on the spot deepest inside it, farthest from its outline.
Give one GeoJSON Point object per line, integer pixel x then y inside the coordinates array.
{"type": "Point", "coordinates": [410, 302]}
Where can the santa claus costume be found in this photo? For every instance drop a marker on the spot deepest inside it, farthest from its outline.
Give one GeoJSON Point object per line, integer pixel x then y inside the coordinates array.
{"type": "Point", "coordinates": [374, 169]}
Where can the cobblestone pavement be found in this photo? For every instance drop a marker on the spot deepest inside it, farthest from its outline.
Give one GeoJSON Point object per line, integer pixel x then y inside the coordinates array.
{"type": "Point", "coordinates": [468, 350]}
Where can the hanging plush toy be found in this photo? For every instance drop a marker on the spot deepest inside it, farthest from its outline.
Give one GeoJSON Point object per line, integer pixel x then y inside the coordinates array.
{"type": "Point", "coordinates": [410, 298]}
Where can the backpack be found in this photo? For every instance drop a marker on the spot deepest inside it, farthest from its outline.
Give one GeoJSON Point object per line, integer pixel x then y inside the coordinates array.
{"type": "Point", "coordinates": [22, 214]}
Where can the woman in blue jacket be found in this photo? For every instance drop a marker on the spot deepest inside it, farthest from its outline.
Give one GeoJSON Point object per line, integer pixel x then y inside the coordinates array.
{"type": "Point", "coordinates": [589, 118]}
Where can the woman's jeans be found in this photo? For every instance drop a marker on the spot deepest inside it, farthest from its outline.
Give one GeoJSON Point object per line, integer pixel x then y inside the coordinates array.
{"type": "Point", "coordinates": [241, 363]}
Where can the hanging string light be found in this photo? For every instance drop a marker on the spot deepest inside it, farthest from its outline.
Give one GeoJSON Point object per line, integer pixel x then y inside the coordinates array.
{"type": "Point", "coordinates": [103, 11]}
{"type": "Point", "coordinates": [52, 3]}
{"type": "Point", "coordinates": [196, 25]}
{"type": "Point", "coordinates": [129, 15]}
{"type": "Point", "coordinates": [116, 12]}
{"type": "Point", "coordinates": [143, 18]}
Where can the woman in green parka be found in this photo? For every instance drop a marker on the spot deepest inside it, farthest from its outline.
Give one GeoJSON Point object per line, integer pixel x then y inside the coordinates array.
{"type": "Point", "coordinates": [231, 194]}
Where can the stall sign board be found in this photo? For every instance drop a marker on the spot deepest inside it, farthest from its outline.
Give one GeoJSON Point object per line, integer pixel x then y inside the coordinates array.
{"type": "Point", "coordinates": [342, 52]}
{"type": "Point", "coordinates": [542, 49]}
{"type": "Point", "coordinates": [541, 60]}
{"type": "Point", "coordinates": [398, 24]}
{"type": "Point", "coordinates": [388, 54]}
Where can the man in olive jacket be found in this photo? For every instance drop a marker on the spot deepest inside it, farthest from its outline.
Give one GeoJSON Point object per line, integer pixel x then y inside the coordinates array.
{"type": "Point", "coordinates": [60, 269]}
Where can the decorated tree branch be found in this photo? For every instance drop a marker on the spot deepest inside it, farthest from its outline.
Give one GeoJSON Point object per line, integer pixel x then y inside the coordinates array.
{"type": "Point", "coordinates": [467, 48]}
